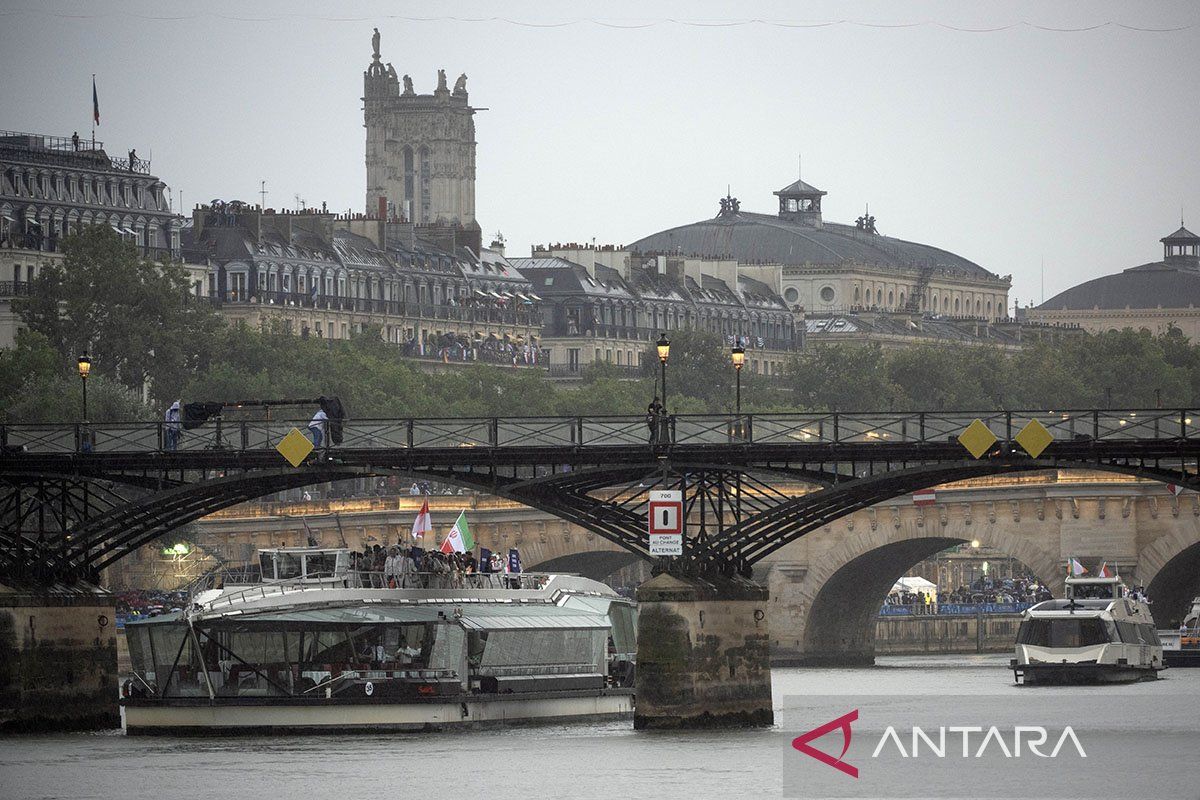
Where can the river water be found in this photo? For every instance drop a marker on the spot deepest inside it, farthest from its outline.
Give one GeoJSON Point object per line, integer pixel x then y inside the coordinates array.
{"type": "Point", "coordinates": [579, 761]}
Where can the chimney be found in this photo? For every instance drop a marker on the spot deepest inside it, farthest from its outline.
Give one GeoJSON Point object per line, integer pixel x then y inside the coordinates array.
{"type": "Point", "coordinates": [381, 211]}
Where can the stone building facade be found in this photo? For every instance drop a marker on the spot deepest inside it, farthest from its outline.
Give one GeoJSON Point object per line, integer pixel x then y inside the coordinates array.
{"type": "Point", "coordinates": [53, 186]}
{"type": "Point", "coordinates": [420, 150]}
{"type": "Point", "coordinates": [335, 276]}
{"type": "Point", "coordinates": [1152, 297]}
{"type": "Point", "coordinates": [608, 306]}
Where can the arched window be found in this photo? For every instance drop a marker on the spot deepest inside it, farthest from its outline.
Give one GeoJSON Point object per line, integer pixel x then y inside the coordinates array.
{"type": "Point", "coordinates": [891, 298]}
{"type": "Point", "coordinates": [410, 177]}
{"type": "Point", "coordinates": [879, 297]}
{"type": "Point", "coordinates": [426, 188]}
{"type": "Point", "coordinates": [956, 305]}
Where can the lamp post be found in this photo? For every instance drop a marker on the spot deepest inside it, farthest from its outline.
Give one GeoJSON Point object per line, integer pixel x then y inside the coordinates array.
{"type": "Point", "coordinates": [85, 368]}
{"type": "Point", "coordinates": [738, 356]}
{"type": "Point", "coordinates": [664, 352]}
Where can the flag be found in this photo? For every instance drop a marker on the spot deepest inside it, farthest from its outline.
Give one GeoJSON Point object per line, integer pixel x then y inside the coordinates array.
{"type": "Point", "coordinates": [459, 540]}
{"type": "Point", "coordinates": [924, 497]}
{"type": "Point", "coordinates": [1075, 569]}
{"type": "Point", "coordinates": [95, 102]}
{"type": "Point", "coordinates": [514, 560]}
{"type": "Point", "coordinates": [1175, 489]}
{"type": "Point", "coordinates": [1104, 572]}
{"type": "Point", "coordinates": [422, 524]}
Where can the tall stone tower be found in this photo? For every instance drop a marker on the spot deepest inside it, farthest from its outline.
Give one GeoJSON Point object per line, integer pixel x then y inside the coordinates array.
{"type": "Point", "coordinates": [420, 147]}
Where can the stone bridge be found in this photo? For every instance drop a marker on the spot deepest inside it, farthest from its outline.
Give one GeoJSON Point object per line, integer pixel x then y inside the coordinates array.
{"type": "Point", "coordinates": [827, 586]}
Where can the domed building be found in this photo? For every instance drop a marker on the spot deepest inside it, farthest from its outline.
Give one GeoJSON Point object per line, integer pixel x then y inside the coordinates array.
{"type": "Point", "coordinates": [829, 267]}
{"type": "Point", "coordinates": [1151, 297]}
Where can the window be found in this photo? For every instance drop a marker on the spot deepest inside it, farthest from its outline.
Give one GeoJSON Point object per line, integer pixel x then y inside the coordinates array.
{"type": "Point", "coordinates": [1065, 632]}
{"type": "Point", "coordinates": [791, 295]}
{"type": "Point", "coordinates": [827, 294]}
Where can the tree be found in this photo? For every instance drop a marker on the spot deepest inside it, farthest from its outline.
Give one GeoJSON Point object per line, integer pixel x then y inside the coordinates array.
{"type": "Point", "coordinates": [842, 377]}
{"type": "Point", "coordinates": [698, 367]}
{"type": "Point", "coordinates": [135, 318]}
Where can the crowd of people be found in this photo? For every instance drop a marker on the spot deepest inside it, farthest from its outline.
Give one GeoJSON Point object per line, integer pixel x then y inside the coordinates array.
{"type": "Point", "coordinates": [985, 590]}
{"type": "Point", "coordinates": [395, 567]}
{"type": "Point", "coordinates": [450, 347]}
{"type": "Point", "coordinates": [149, 602]}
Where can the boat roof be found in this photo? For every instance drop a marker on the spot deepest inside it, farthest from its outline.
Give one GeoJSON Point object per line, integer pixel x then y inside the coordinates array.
{"type": "Point", "coordinates": [478, 617]}
{"type": "Point", "coordinates": [1082, 604]}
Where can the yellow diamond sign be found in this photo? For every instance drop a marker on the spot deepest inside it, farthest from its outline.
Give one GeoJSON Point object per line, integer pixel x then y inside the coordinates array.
{"type": "Point", "coordinates": [1034, 438]}
{"type": "Point", "coordinates": [977, 438]}
{"type": "Point", "coordinates": [295, 447]}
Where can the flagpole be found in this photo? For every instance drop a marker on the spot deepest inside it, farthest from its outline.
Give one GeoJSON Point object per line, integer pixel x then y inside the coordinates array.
{"type": "Point", "coordinates": [93, 111]}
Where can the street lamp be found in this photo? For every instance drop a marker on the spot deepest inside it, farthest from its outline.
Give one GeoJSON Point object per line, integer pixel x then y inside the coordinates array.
{"type": "Point", "coordinates": [85, 368]}
{"type": "Point", "coordinates": [664, 352]}
{"type": "Point", "coordinates": [738, 356]}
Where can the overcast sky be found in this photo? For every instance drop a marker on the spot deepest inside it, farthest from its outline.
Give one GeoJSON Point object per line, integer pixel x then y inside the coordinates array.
{"type": "Point", "coordinates": [1006, 147]}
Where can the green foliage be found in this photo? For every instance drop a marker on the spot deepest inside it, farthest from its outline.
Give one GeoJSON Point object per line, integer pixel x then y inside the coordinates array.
{"type": "Point", "coordinates": [135, 318]}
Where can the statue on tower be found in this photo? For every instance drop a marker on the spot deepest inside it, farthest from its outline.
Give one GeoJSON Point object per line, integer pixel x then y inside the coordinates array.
{"type": "Point", "coordinates": [375, 43]}
{"type": "Point", "coordinates": [460, 85]}
{"type": "Point", "coordinates": [441, 87]}
{"type": "Point", "coordinates": [408, 87]}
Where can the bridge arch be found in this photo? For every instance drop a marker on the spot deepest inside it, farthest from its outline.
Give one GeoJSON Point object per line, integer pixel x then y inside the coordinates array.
{"type": "Point", "coordinates": [594, 564]}
{"type": "Point", "coordinates": [843, 589]}
{"type": "Point", "coordinates": [1169, 568]}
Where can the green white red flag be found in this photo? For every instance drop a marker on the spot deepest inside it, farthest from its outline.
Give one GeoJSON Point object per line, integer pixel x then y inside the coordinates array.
{"type": "Point", "coordinates": [1075, 569]}
{"type": "Point", "coordinates": [459, 540]}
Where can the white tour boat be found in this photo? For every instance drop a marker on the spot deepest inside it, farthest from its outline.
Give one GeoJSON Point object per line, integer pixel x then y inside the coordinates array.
{"type": "Point", "coordinates": [319, 647]}
{"type": "Point", "coordinates": [1097, 633]}
{"type": "Point", "coordinates": [1181, 646]}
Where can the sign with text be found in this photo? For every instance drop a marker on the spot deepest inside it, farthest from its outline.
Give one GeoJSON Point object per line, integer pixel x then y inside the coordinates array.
{"type": "Point", "coordinates": [666, 522]}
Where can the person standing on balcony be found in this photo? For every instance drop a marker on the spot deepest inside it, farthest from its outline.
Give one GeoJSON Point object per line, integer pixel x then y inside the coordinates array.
{"type": "Point", "coordinates": [132, 159]}
{"type": "Point", "coordinates": [75, 140]}
{"type": "Point", "coordinates": [654, 413]}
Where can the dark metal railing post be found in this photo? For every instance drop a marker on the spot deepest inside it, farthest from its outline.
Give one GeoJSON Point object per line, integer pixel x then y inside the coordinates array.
{"type": "Point", "coordinates": [836, 430]}
{"type": "Point", "coordinates": [577, 431]}
{"type": "Point", "coordinates": [494, 432]}
{"type": "Point", "coordinates": [921, 423]}
{"type": "Point", "coordinates": [410, 433]}
{"type": "Point", "coordinates": [748, 433]}
{"type": "Point", "coordinates": [1095, 424]}
{"type": "Point", "coordinates": [1183, 431]}
{"type": "Point", "coordinates": [245, 425]}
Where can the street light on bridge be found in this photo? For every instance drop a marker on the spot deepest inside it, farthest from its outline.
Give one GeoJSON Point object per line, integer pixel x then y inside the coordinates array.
{"type": "Point", "coordinates": [738, 356]}
{"type": "Point", "coordinates": [85, 369]}
{"type": "Point", "coordinates": [664, 352]}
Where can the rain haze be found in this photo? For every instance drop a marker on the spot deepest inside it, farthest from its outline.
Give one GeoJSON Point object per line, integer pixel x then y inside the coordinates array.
{"type": "Point", "coordinates": [1013, 147]}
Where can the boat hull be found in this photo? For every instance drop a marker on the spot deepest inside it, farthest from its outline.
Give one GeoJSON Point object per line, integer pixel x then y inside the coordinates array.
{"type": "Point", "coordinates": [1182, 658]}
{"type": "Point", "coordinates": [200, 716]}
{"type": "Point", "coordinates": [1073, 674]}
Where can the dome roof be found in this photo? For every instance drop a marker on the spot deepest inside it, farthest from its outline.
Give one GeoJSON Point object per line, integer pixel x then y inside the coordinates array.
{"type": "Point", "coordinates": [1154, 285]}
{"type": "Point", "coordinates": [1173, 282]}
{"type": "Point", "coordinates": [766, 239]}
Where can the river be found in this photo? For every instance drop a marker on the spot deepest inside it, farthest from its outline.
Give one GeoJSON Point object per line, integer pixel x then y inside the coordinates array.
{"type": "Point", "coordinates": [578, 761]}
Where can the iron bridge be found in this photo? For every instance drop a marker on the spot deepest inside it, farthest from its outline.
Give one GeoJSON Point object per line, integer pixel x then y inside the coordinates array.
{"type": "Point", "coordinates": [74, 498]}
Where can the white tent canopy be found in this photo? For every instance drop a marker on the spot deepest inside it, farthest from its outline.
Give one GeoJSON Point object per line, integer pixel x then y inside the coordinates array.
{"type": "Point", "coordinates": [915, 585]}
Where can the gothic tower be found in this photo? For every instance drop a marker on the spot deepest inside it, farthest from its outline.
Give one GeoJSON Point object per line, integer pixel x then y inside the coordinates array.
{"type": "Point", "coordinates": [420, 147]}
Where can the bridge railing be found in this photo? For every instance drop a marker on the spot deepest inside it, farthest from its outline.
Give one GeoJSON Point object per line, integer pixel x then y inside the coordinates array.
{"type": "Point", "coordinates": [602, 431]}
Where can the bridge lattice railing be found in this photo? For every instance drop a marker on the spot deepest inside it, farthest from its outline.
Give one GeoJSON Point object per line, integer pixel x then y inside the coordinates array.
{"type": "Point", "coordinates": [601, 431]}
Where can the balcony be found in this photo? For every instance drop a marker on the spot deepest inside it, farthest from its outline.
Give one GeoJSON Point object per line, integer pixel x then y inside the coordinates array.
{"type": "Point", "coordinates": [14, 288]}
{"type": "Point", "coordinates": [390, 308]}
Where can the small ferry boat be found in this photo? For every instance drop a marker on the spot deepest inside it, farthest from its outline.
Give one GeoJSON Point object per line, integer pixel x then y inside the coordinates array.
{"type": "Point", "coordinates": [316, 647]}
{"type": "Point", "coordinates": [1097, 634]}
{"type": "Point", "coordinates": [1181, 646]}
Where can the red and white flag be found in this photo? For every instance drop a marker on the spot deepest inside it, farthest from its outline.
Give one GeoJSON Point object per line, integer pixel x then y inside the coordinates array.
{"type": "Point", "coordinates": [1104, 571]}
{"type": "Point", "coordinates": [1075, 569]}
{"type": "Point", "coordinates": [1175, 489]}
{"type": "Point", "coordinates": [924, 497]}
{"type": "Point", "coordinates": [423, 524]}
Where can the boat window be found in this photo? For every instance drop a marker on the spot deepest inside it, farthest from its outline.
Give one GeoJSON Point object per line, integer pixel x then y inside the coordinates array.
{"type": "Point", "coordinates": [544, 650]}
{"type": "Point", "coordinates": [320, 565]}
{"type": "Point", "coordinates": [287, 565]}
{"type": "Point", "coordinates": [267, 563]}
{"type": "Point", "coordinates": [1149, 635]}
{"type": "Point", "coordinates": [1063, 632]}
{"type": "Point", "coordinates": [624, 627]}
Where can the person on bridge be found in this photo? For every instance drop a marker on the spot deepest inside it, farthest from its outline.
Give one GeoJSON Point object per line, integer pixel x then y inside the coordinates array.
{"type": "Point", "coordinates": [317, 426]}
{"type": "Point", "coordinates": [654, 413]}
{"type": "Point", "coordinates": [171, 427]}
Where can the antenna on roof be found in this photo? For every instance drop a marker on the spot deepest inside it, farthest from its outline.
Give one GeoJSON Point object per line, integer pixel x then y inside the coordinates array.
{"type": "Point", "coordinates": [262, 192]}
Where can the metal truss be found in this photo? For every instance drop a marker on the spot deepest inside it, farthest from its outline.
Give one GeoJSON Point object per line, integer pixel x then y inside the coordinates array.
{"type": "Point", "coordinates": [67, 511]}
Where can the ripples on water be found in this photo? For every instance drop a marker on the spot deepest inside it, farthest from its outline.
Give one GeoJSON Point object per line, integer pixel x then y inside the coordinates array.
{"type": "Point", "coordinates": [608, 761]}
